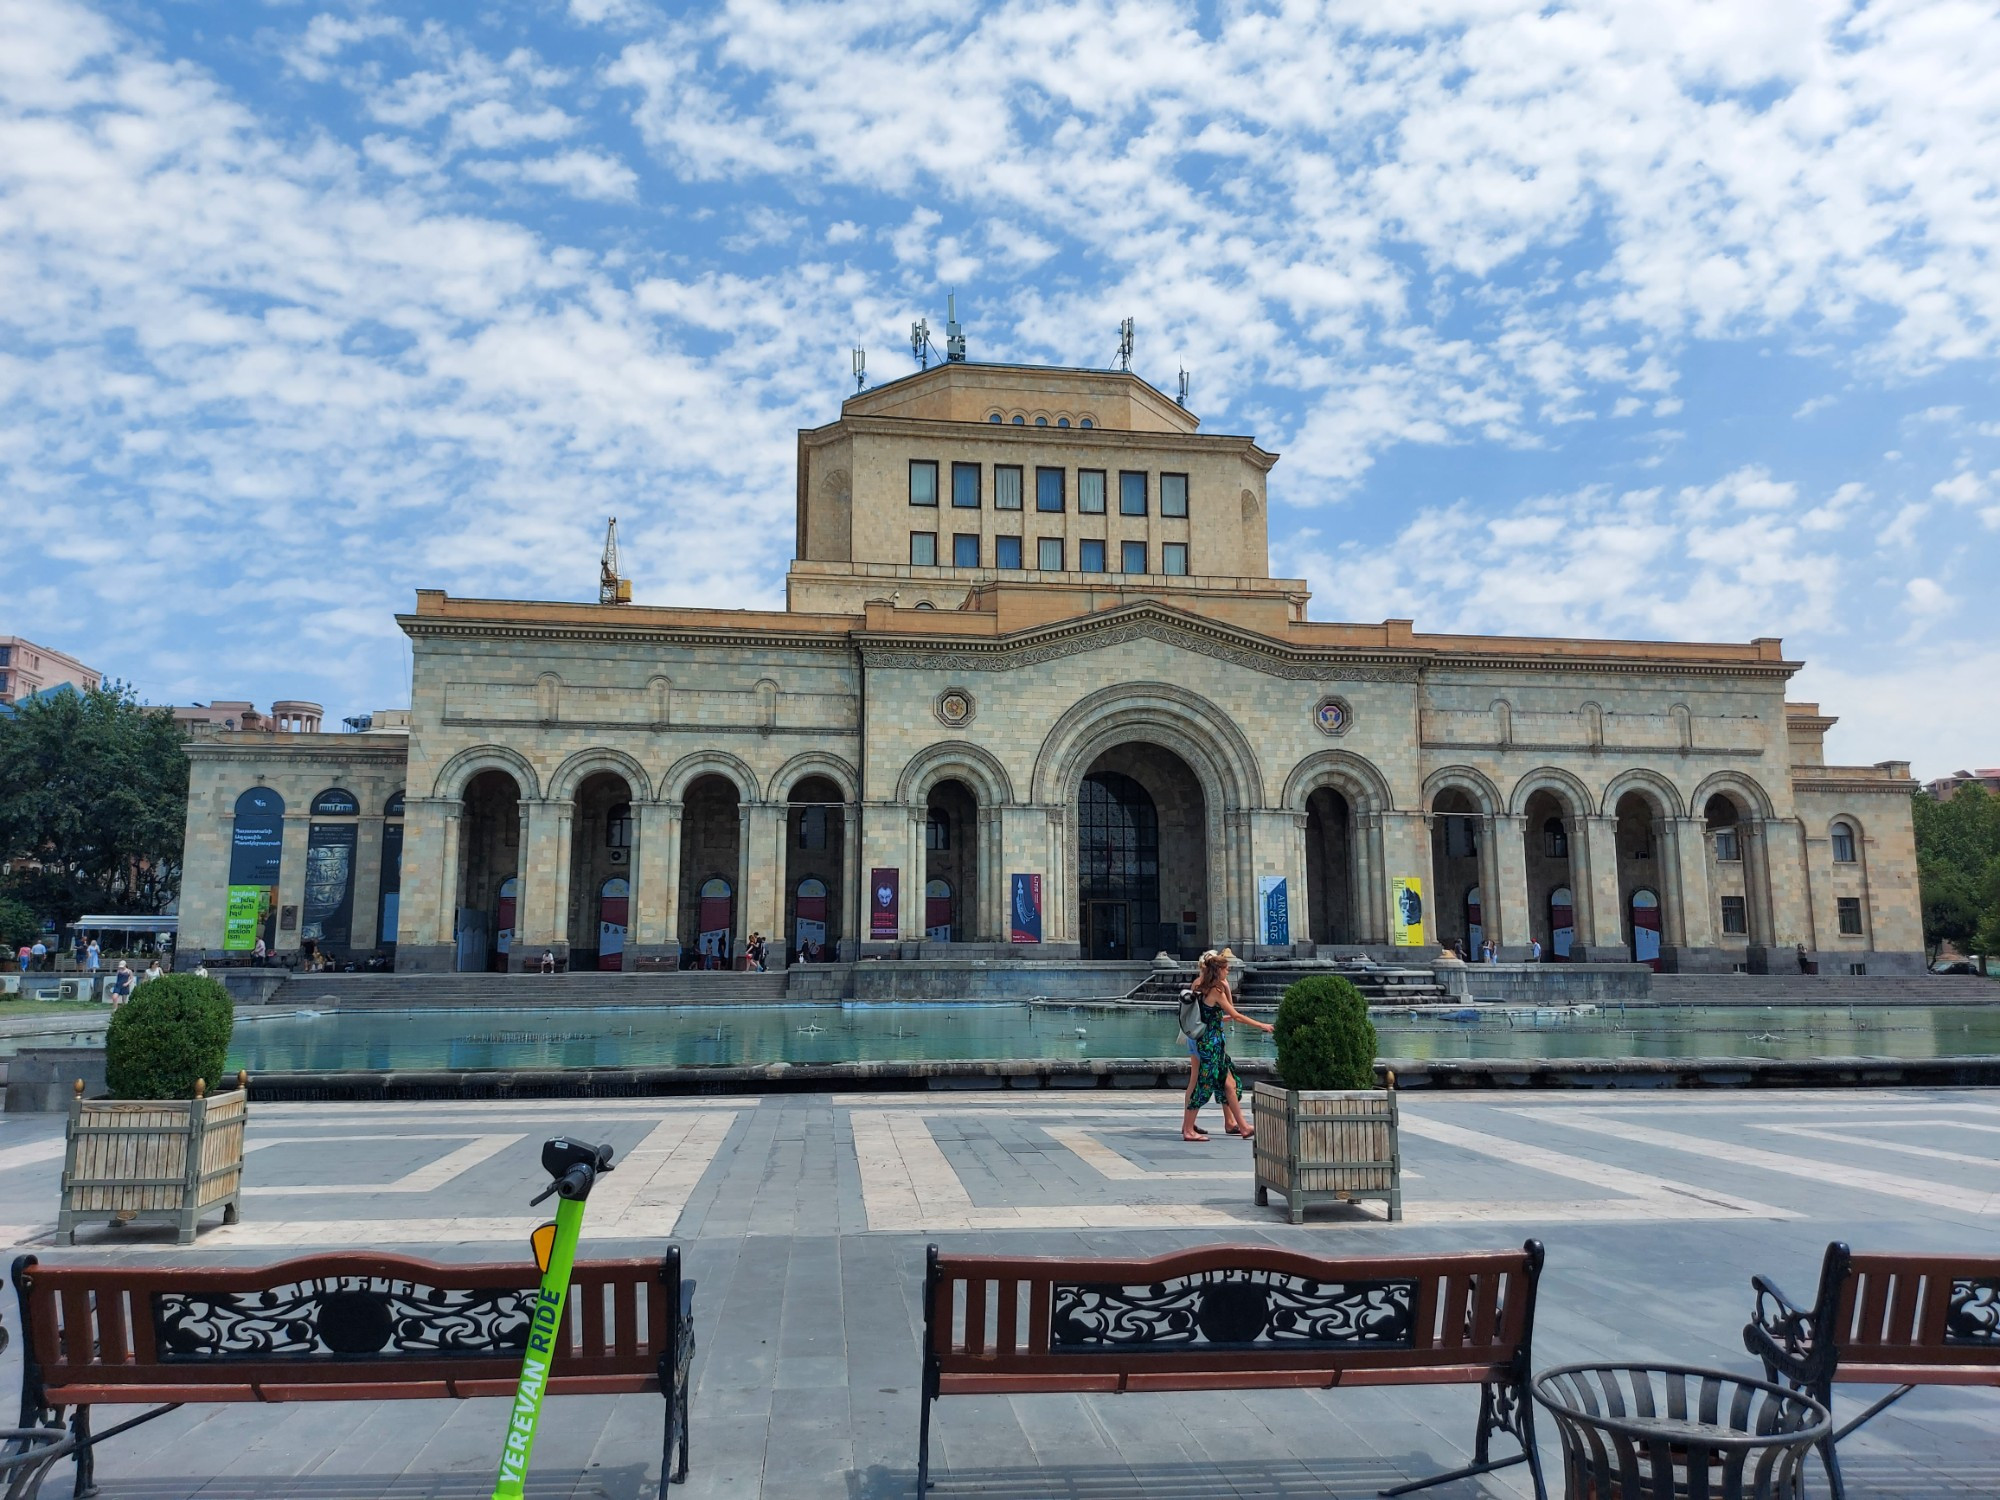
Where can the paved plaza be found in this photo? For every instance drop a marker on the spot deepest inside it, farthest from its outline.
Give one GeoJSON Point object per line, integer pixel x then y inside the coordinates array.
{"type": "Point", "coordinates": [804, 1219]}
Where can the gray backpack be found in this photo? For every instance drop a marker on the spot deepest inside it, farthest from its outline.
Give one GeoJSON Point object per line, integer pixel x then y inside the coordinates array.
{"type": "Point", "coordinates": [1192, 1025]}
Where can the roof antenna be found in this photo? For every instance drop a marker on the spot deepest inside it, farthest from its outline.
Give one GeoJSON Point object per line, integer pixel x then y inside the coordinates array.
{"type": "Point", "coordinates": [954, 336]}
{"type": "Point", "coordinates": [920, 343]}
{"type": "Point", "coordinates": [1181, 399]}
{"type": "Point", "coordinates": [1125, 346]}
{"type": "Point", "coordinates": [860, 369]}
{"type": "Point", "coordinates": [611, 588]}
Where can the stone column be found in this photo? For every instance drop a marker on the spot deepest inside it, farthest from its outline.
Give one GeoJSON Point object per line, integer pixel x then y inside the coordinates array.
{"type": "Point", "coordinates": [1697, 905]}
{"type": "Point", "coordinates": [656, 881]}
{"type": "Point", "coordinates": [1606, 921]}
{"type": "Point", "coordinates": [1510, 886]}
{"type": "Point", "coordinates": [367, 883]}
{"type": "Point", "coordinates": [292, 880]}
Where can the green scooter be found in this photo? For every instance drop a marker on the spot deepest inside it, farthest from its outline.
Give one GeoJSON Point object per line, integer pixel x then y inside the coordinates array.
{"type": "Point", "coordinates": [573, 1168]}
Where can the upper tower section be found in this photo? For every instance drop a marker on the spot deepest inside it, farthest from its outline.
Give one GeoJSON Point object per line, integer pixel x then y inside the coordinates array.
{"type": "Point", "coordinates": [969, 474]}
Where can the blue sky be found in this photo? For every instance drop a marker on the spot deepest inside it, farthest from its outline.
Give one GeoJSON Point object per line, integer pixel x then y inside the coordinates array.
{"type": "Point", "coordinates": [1666, 321]}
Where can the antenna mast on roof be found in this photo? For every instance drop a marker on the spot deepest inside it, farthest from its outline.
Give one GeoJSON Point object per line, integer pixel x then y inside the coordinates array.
{"type": "Point", "coordinates": [1181, 399]}
{"type": "Point", "coordinates": [1125, 346]}
{"type": "Point", "coordinates": [920, 343]}
{"type": "Point", "coordinates": [611, 588]}
{"type": "Point", "coordinates": [954, 336]}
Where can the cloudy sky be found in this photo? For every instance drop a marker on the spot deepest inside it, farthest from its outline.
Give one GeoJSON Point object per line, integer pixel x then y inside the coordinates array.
{"type": "Point", "coordinates": [1664, 320]}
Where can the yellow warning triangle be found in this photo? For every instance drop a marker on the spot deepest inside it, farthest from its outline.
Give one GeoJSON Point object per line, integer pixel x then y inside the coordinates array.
{"type": "Point", "coordinates": [543, 1239]}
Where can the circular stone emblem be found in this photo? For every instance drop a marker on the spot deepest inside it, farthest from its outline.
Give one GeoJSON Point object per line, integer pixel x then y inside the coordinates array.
{"type": "Point", "coordinates": [954, 707]}
{"type": "Point", "coordinates": [1332, 715]}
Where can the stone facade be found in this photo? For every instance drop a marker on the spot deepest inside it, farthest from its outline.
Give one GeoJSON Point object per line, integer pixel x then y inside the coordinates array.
{"type": "Point", "coordinates": [1152, 745]}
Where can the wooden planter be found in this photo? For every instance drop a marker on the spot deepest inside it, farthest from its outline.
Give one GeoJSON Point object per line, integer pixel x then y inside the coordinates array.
{"type": "Point", "coordinates": [153, 1161]}
{"type": "Point", "coordinates": [1327, 1146]}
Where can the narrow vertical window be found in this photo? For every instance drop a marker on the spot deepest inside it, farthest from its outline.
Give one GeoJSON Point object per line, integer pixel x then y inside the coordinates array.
{"type": "Point", "coordinates": [1090, 557]}
{"type": "Point", "coordinates": [1173, 495]}
{"type": "Point", "coordinates": [1173, 559]}
{"type": "Point", "coordinates": [1006, 486]}
{"type": "Point", "coordinates": [965, 550]}
{"type": "Point", "coordinates": [965, 486]}
{"type": "Point", "coordinates": [1048, 489]}
{"type": "Point", "coordinates": [923, 481]}
{"type": "Point", "coordinates": [1090, 492]}
{"type": "Point", "coordinates": [1131, 494]}
{"type": "Point", "coordinates": [1048, 554]}
{"type": "Point", "coordinates": [923, 549]}
{"type": "Point", "coordinates": [1006, 552]}
{"type": "Point", "coordinates": [1131, 557]}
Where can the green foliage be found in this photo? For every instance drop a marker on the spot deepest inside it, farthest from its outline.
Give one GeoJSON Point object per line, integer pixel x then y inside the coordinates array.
{"type": "Point", "coordinates": [93, 800]}
{"type": "Point", "coordinates": [18, 925]}
{"type": "Point", "coordinates": [1958, 868]}
{"type": "Point", "coordinates": [174, 1030]}
{"type": "Point", "coordinates": [1325, 1039]}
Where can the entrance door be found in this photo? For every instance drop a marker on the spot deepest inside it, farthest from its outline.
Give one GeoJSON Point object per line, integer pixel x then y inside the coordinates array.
{"type": "Point", "coordinates": [1110, 929]}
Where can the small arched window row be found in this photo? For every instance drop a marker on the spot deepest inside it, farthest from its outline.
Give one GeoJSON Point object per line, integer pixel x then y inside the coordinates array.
{"type": "Point", "coordinates": [1844, 844]}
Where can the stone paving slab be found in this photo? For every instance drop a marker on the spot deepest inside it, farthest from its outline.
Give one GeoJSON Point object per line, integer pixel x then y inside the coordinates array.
{"type": "Point", "coordinates": [804, 1219]}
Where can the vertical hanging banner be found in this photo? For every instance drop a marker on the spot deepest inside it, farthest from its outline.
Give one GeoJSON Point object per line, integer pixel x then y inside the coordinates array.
{"type": "Point", "coordinates": [1027, 907]}
{"type": "Point", "coordinates": [885, 906]}
{"type": "Point", "coordinates": [1406, 911]}
{"type": "Point", "coordinates": [1276, 901]}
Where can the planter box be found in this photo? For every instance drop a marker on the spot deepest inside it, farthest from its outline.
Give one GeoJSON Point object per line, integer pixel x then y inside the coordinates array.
{"type": "Point", "coordinates": [1327, 1146]}
{"type": "Point", "coordinates": [166, 1161]}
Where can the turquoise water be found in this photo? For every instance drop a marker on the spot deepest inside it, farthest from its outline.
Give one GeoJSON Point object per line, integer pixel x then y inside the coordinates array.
{"type": "Point", "coordinates": [709, 1035]}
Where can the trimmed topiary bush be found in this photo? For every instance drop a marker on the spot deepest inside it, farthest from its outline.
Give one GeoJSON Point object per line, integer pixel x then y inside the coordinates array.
{"type": "Point", "coordinates": [1325, 1039]}
{"type": "Point", "coordinates": [174, 1030]}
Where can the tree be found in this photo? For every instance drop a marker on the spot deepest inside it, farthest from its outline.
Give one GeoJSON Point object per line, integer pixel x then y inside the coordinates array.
{"type": "Point", "coordinates": [1958, 868]}
{"type": "Point", "coordinates": [93, 803]}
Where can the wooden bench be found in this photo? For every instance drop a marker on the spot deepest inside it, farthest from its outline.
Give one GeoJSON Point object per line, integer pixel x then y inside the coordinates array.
{"type": "Point", "coordinates": [1901, 1320]}
{"type": "Point", "coordinates": [1238, 1317]}
{"type": "Point", "coordinates": [340, 1327]}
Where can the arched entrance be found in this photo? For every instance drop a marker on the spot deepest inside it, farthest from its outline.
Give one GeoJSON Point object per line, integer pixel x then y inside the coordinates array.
{"type": "Point", "coordinates": [1330, 867]}
{"type": "Point", "coordinates": [711, 864]}
{"type": "Point", "coordinates": [815, 838]}
{"type": "Point", "coordinates": [485, 921]}
{"type": "Point", "coordinates": [1455, 832]}
{"type": "Point", "coordinates": [951, 860]}
{"type": "Point", "coordinates": [1551, 824]}
{"type": "Point", "coordinates": [1142, 855]}
{"type": "Point", "coordinates": [600, 851]}
{"type": "Point", "coordinates": [1641, 873]}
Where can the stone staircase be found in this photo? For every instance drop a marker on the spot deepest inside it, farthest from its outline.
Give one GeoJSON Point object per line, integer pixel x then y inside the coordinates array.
{"type": "Point", "coordinates": [1263, 984]}
{"type": "Point", "coordinates": [390, 991]}
{"type": "Point", "coordinates": [1823, 989]}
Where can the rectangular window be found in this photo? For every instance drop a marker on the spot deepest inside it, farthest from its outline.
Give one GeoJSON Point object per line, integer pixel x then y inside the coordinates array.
{"type": "Point", "coordinates": [923, 481]}
{"type": "Point", "coordinates": [1048, 489]}
{"type": "Point", "coordinates": [1090, 557]}
{"type": "Point", "coordinates": [1733, 919]}
{"type": "Point", "coordinates": [923, 549]}
{"type": "Point", "coordinates": [1006, 486]}
{"type": "Point", "coordinates": [1131, 494]}
{"type": "Point", "coordinates": [965, 486]}
{"type": "Point", "coordinates": [1006, 552]}
{"type": "Point", "coordinates": [1849, 908]}
{"type": "Point", "coordinates": [1173, 495]}
{"type": "Point", "coordinates": [1090, 492]}
{"type": "Point", "coordinates": [1173, 559]}
{"type": "Point", "coordinates": [1048, 554]}
{"type": "Point", "coordinates": [1725, 846]}
{"type": "Point", "coordinates": [1131, 557]}
{"type": "Point", "coordinates": [965, 550]}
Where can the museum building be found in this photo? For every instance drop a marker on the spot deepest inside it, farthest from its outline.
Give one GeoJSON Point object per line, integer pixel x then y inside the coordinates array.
{"type": "Point", "coordinates": [1035, 694]}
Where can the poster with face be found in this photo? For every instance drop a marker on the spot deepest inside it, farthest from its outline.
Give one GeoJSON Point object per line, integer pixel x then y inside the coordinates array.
{"type": "Point", "coordinates": [884, 903]}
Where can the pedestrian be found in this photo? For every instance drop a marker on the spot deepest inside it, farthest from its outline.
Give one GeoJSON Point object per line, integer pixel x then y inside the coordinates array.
{"type": "Point", "coordinates": [1211, 1073]}
{"type": "Point", "coordinates": [1534, 950]}
{"type": "Point", "coordinates": [121, 984]}
{"type": "Point", "coordinates": [94, 956]}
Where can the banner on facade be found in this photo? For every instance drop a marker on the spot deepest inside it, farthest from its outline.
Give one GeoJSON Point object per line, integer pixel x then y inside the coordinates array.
{"type": "Point", "coordinates": [1027, 908]}
{"type": "Point", "coordinates": [1273, 893]}
{"type": "Point", "coordinates": [885, 907]}
{"type": "Point", "coordinates": [243, 918]}
{"type": "Point", "coordinates": [1406, 912]}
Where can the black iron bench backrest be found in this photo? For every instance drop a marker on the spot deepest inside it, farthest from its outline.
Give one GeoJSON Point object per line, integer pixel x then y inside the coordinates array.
{"type": "Point", "coordinates": [1229, 1308]}
{"type": "Point", "coordinates": [337, 1320]}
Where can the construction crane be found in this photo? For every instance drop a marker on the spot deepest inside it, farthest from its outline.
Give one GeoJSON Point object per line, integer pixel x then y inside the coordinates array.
{"type": "Point", "coordinates": [611, 588]}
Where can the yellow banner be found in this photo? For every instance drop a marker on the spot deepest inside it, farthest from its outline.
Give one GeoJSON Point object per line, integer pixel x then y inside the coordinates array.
{"type": "Point", "coordinates": [1406, 912]}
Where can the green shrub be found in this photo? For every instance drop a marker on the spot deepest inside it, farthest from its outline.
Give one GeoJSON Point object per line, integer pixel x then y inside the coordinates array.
{"type": "Point", "coordinates": [174, 1030]}
{"type": "Point", "coordinates": [1325, 1039]}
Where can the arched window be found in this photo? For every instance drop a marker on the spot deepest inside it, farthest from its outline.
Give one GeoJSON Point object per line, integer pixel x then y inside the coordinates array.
{"type": "Point", "coordinates": [618, 826]}
{"type": "Point", "coordinates": [1843, 844]}
{"type": "Point", "coordinates": [1555, 839]}
{"type": "Point", "coordinates": [937, 831]}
